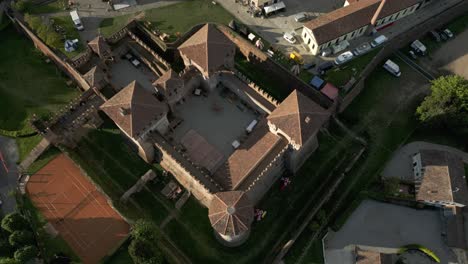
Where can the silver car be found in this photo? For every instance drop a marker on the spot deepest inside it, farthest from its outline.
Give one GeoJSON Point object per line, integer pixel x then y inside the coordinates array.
{"type": "Point", "coordinates": [344, 57]}
{"type": "Point", "coordinates": [362, 49]}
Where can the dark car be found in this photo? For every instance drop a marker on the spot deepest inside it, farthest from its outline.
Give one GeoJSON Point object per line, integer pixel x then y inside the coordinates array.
{"type": "Point", "coordinates": [435, 35]}
{"type": "Point", "coordinates": [322, 68]}
{"type": "Point", "coordinates": [308, 66]}
{"type": "Point", "coordinates": [443, 36]}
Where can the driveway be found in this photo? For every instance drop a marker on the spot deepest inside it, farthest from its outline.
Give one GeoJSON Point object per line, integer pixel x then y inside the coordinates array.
{"type": "Point", "coordinates": [400, 166]}
{"type": "Point", "coordinates": [8, 172]}
{"type": "Point", "coordinates": [386, 228]}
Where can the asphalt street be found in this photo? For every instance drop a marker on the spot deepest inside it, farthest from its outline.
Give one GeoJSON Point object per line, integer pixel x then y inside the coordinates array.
{"type": "Point", "coordinates": [8, 172]}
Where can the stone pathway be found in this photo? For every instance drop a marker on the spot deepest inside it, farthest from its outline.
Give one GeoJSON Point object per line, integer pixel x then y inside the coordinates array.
{"type": "Point", "coordinates": [400, 164]}
{"type": "Point", "coordinates": [34, 154]}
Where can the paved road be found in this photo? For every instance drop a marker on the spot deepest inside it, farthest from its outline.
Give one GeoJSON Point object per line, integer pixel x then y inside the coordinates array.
{"type": "Point", "coordinates": [8, 172]}
{"type": "Point", "coordinates": [400, 164]}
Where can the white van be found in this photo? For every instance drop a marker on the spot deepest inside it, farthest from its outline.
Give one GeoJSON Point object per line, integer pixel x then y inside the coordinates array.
{"type": "Point", "coordinates": [418, 47]}
{"type": "Point", "coordinates": [378, 41]}
{"type": "Point", "coordinates": [393, 68]}
{"type": "Point", "coordinates": [251, 126]}
{"type": "Point", "coordinates": [76, 20]}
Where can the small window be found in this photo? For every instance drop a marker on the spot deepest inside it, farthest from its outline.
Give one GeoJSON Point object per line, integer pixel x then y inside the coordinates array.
{"type": "Point", "coordinates": [308, 41]}
{"type": "Point", "coordinates": [313, 46]}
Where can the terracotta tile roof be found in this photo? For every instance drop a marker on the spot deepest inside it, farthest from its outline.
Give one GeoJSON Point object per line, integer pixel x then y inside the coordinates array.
{"type": "Point", "coordinates": [342, 21]}
{"type": "Point", "coordinates": [443, 178]}
{"type": "Point", "coordinates": [134, 108]}
{"type": "Point", "coordinates": [330, 91]}
{"type": "Point", "coordinates": [231, 213]}
{"type": "Point", "coordinates": [95, 76]}
{"type": "Point", "coordinates": [354, 16]}
{"type": "Point", "coordinates": [209, 48]}
{"type": "Point", "coordinates": [169, 83]}
{"type": "Point", "coordinates": [298, 117]}
{"type": "Point", "coordinates": [372, 257]}
{"type": "Point", "coordinates": [247, 157]}
{"type": "Point", "coordinates": [100, 47]}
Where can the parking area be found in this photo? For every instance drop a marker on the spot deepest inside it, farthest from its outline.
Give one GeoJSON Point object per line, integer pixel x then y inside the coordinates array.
{"type": "Point", "coordinates": [273, 27]}
{"type": "Point", "coordinates": [387, 227]}
{"type": "Point", "coordinates": [452, 57]}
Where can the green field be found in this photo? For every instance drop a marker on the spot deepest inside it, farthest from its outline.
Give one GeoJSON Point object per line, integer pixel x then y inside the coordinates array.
{"type": "Point", "coordinates": [173, 19]}
{"type": "Point", "coordinates": [28, 86]}
{"type": "Point", "coordinates": [51, 7]}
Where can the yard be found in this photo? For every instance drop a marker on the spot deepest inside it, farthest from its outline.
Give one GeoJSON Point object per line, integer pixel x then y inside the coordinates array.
{"type": "Point", "coordinates": [29, 86]}
{"type": "Point", "coordinates": [173, 19]}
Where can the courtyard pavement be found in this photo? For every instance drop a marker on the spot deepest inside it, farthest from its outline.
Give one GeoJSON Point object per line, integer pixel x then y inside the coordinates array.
{"type": "Point", "coordinates": [386, 227]}
{"type": "Point", "coordinates": [218, 120]}
{"type": "Point", "coordinates": [8, 173]}
{"type": "Point", "coordinates": [123, 73]}
{"type": "Point", "coordinates": [400, 165]}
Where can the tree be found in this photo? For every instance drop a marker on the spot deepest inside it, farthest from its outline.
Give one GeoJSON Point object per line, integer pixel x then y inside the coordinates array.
{"type": "Point", "coordinates": [322, 216]}
{"type": "Point", "coordinates": [25, 254]}
{"type": "Point", "coordinates": [21, 238]}
{"type": "Point", "coordinates": [144, 229]}
{"type": "Point", "coordinates": [33, 21]}
{"type": "Point", "coordinates": [447, 104]}
{"type": "Point", "coordinates": [14, 221]}
{"type": "Point", "coordinates": [19, 5]}
{"type": "Point", "coordinates": [314, 226]}
{"type": "Point", "coordinates": [145, 252]}
{"type": "Point", "coordinates": [53, 39]}
{"type": "Point", "coordinates": [5, 248]}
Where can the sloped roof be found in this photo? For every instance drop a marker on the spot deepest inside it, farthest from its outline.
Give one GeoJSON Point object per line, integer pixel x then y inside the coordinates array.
{"type": "Point", "coordinates": [354, 16]}
{"type": "Point", "coordinates": [208, 48]}
{"type": "Point", "coordinates": [169, 82]}
{"type": "Point", "coordinates": [100, 47]}
{"type": "Point", "coordinates": [231, 213]}
{"type": "Point", "coordinates": [443, 178]}
{"type": "Point", "coordinates": [298, 117]}
{"type": "Point", "coordinates": [258, 147]}
{"type": "Point", "coordinates": [134, 108]}
{"type": "Point", "coordinates": [94, 76]}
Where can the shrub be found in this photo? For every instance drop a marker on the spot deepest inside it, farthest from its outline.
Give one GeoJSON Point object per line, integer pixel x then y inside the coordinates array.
{"type": "Point", "coordinates": [8, 261]}
{"type": "Point", "coordinates": [144, 252]}
{"type": "Point", "coordinates": [314, 226]}
{"type": "Point", "coordinates": [21, 238]}
{"type": "Point", "coordinates": [5, 248]}
{"type": "Point", "coordinates": [14, 221]}
{"type": "Point", "coordinates": [20, 5]}
{"type": "Point", "coordinates": [145, 230]}
{"type": "Point", "coordinates": [25, 254]}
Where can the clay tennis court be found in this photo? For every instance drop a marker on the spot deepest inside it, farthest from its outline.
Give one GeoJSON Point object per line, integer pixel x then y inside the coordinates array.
{"type": "Point", "coordinates": [76, 209]}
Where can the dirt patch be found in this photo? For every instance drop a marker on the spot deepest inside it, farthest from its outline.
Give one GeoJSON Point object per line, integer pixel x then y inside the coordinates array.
{"type": "Point", "coordinates": [452, 57]}
{"type": "Point", "coordinates": [77, 210]}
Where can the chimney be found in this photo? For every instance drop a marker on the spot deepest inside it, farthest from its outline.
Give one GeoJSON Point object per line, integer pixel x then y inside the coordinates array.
{"type": "Point", "coordinates": [377, 13]}
{"type": "Point", "coordinates": [123, 111]}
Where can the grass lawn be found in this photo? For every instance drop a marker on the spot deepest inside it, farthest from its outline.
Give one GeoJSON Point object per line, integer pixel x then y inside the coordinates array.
{"type": "Point", "coordinates": [173, 19]}
{"type": "Point", "coordinates": [28, 85]}
{"type": "Point", "coordinates": [45, 158]}
{"type": "Point", "coordinates": [50, 245]}
{"type": "Point", "coordinates": [71, 33]}
{"type": "Point", "coordinates": [121, 256]}
{"type": "Point", "coordinates": [26, 144]}
{"type": "Point", "coordinates": [341, 75]}
{"type": "Point", "coordinates": [52, 7]}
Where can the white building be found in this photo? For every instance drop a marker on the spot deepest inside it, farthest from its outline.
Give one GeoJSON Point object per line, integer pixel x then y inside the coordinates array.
{"type": "Point", "coordinates": [353, 20]}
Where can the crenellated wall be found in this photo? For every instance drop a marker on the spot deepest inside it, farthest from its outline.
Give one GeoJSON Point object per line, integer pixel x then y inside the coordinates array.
{"type": "Point", "coordinates": [200, 184]}
{"type": "Point", "coordinates": [159, 59]}
{"type": "Point", "coordinates": [254, 86]}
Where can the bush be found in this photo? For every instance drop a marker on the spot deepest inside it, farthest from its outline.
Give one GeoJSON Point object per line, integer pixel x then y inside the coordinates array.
{"type": "Point", "coordinates": [145, 252]}
{"type": "Point", "coordinates": [8, 261]}
{"type": "Point", "coordinates": [25, 254]}
{"type": "Point", "coordinates": [14, 221]}
{"type": "Point", "coordinates": [20, 5]}
{"type": "Point", "coordinates": [145, 230]}
{"type": "Point", "coordinates": [21, 238]}
{"type": "Point", "coordinates": [314, 226]}
{"type": "Point", "coordinates": [5, 248]}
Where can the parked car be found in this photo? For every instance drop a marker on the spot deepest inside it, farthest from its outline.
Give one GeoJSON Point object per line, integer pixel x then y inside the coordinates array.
{"type": "Point", "coordinates": [289, 37]}
{"type": "Point", "coordinates": [362, 49]}
{"type": "Point", "coordinates": [308, 66]}
{"type": "Point", "coordinates": [443, 36]}
{"type": "Point", "coordinates": [76, 20]}
{"type": "Point", "coordinates": [326, 52]}
{"type": "Point", "coordinates": [448, 33]}
{"type": "Point", "coordinates": [419, 47]}
{"type": "Point", "coordinates": [301, 17]}
{"type": "Point", "coordinates": [393, 68]}
{"type": "Point", "coordinates": [378, 41]}
{"type": "Point", "coordinates": [324, 67]}
{"type": "Point", "coordinates": [412, 54]}
{"type": "Point", "coordinates": [340, 47]}
{"type": "Point", "coordinates": [344, 57]}
{"type": "Point", "coordinates": [435, 35]}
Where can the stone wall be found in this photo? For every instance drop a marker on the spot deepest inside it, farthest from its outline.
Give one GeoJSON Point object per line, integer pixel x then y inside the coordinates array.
{"type": "Point", "coordinates": [267, 177]}
{"type": "Point", "coordinates": [61, 63]}
{"type": "Point", "coordinates": [299, 157]}
{"type": "Point", "coordinates": [254, 86]}
{"type": "Point", "coordinates": [200, 184]}
{"type": "Point", "coordinates": [158, 58]}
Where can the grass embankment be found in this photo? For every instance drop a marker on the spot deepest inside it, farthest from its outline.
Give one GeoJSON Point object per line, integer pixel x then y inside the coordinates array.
{"type": "Point", "coordinates": [28, 86]}
{"type": "Point", "coordinates": [51, 7]}
{"type": "Point", "coordinates": [173, 19]}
